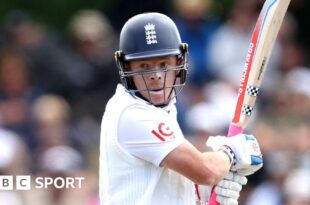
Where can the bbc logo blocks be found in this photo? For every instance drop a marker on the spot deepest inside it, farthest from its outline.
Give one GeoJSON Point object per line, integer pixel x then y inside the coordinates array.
{"type": "Point", "coordinates": [20, 182]}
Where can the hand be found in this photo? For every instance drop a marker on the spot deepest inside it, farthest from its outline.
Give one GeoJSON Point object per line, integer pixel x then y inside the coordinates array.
{"type": "Point", "coordinates": [243, 150]}
{"type": "Point", "coordinates": [228, 189]}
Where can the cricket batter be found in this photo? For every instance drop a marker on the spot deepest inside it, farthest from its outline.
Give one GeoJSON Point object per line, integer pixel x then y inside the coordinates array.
{"type": "Point", "coordinates": [144, 157]}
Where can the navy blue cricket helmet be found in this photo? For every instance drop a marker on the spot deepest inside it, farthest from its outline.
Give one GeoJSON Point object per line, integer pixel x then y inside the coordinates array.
{"type": "Point", "coordinates": [150, 35]}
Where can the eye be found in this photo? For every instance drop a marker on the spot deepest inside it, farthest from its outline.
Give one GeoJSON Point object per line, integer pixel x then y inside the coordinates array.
{"type": "Point", "coordinates": [144, 66]}
{"type": "Point", "coordinates": [163, 65]}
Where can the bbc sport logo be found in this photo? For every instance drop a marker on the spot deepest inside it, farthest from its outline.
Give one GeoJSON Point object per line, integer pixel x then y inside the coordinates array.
{"type": "Point", "coordinates": [24, 182]}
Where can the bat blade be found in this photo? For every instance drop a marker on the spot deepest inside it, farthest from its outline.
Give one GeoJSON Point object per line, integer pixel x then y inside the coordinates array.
{"type": "Point", "coordinates": [261, 45]}
{"type": "Point", "coordinates": [263, 38]}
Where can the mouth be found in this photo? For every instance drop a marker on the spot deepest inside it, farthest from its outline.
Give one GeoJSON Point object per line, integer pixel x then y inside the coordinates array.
{"type": "Point", "coordinates": [156, 90]}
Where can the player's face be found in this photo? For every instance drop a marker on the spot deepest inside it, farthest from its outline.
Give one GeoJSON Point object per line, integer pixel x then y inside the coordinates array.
{"type": "Point", "coordinates": [155, 80]}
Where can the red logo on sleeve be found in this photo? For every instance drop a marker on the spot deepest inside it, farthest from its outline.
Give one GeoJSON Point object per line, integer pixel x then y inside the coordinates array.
{"type": "Point", "coordinates": [163, 132]}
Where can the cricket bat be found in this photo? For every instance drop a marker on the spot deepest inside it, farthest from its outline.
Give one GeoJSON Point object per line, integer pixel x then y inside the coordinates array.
{"type": "Point", "coordinates": [262, 41]}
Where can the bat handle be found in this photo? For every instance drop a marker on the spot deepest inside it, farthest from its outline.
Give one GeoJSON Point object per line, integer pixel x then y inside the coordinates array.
{"type": "Point", "coordinates": [233, 130]}
{"type": "Point", "coordinates": [213, 198]}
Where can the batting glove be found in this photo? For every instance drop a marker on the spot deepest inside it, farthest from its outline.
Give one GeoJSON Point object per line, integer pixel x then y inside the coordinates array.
{"type": "Point", "coordinates": [228, 189]}
{"type": "Point", "coordinates": [243, 151]}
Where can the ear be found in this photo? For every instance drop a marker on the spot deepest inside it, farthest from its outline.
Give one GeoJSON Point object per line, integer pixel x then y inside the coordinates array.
{"type": "Point", "coordinates": [180, 61]}
{"type": "Point", "coordinates": [126, 66]}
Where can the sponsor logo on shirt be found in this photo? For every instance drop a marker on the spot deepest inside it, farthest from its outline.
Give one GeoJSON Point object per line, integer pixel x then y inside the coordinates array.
{"type": "Point", "coordinates": [163, 132]}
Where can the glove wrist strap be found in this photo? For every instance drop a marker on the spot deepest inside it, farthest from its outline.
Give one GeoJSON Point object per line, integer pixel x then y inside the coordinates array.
{"type": "Point", "coordinates": [227, 150]}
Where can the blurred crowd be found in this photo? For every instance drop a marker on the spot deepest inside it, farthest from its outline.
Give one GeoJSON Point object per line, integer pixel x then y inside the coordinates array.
{"type": "Point", "coordinates": [54, 87]}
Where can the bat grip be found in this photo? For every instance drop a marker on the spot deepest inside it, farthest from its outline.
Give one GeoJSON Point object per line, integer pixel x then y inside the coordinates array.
{"type": "Point", "coordinates": [233, 130]}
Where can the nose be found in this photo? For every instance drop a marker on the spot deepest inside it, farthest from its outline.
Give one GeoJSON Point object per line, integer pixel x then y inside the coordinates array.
{"type": "Point", "coordinates": [156, 76]}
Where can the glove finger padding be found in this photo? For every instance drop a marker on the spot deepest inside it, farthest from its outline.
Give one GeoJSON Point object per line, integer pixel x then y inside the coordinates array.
{"type": "Point", "coordinates": [236, 177]}
{"type": "Point", "coordinates": [230, 185]}
{"type": "Point", "coordinates": [228, 189]}
{"type": "Point", "coordinates": [226, 201]}
{"type": "Point", "coordinates": [228, 193]}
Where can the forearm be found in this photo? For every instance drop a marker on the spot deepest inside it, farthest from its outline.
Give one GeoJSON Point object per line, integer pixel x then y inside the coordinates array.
{"type": "Point", "coordinates": [218, 164]}
{"type": "Point", "coordinates": [202, 168]}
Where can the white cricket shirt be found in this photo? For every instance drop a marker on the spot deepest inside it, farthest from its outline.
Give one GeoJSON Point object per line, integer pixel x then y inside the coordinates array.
{"type": "Point", "coordinates": [135, 138]}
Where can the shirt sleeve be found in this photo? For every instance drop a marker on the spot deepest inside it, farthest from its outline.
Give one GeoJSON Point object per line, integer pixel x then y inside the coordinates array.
{"type": "Point", "coordinates": [149, 134]}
